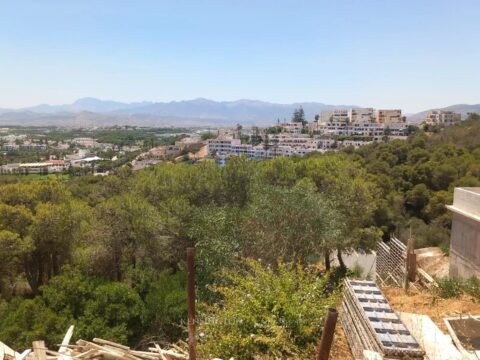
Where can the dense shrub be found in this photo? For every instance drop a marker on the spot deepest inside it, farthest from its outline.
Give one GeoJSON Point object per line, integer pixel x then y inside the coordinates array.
{"type": "Point", "coordinates": [166, 306]}
{"type": "Point", "coordinates": [449, 288]}
{"type": "Point", "coordinates": [454, 288]}
{"type": "Point", "coordinates": [274, 312]}
{"type": "Point", "coordinates": [98, 308]}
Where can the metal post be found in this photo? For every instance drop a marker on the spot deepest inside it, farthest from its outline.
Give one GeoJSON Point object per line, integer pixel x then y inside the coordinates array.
{"type": "Point", "coordinates": [327, 335]}
{"type": "Point", "coordinates": [191, 303]}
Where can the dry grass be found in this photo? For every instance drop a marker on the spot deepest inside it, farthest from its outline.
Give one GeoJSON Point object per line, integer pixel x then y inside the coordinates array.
{"type": "Point", "coordinates": [427, 303]}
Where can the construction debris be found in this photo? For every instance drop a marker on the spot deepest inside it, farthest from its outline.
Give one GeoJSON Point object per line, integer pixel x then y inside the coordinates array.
{"type": "Point", "coordinates": [99, 349]}
{"type": "Point", "coordinates": [371, 324]}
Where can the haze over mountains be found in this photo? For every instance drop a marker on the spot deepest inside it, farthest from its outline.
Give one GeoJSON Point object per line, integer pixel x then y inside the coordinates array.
{"type": "Point", "coordinates": [196, 112]}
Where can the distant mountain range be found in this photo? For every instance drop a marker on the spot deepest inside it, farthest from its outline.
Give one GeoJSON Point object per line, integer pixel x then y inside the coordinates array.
{"type": "Point", "coordinates": [201, 112]}
{"type": "Point", "coordinates": [89, 112]}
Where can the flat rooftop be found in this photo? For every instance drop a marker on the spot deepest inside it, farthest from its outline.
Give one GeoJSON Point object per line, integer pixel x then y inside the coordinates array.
{"type": "Point", "coordinates": [466, 201]}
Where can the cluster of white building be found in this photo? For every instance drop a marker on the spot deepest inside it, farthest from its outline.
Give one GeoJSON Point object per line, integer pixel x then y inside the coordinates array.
{"type": "Point", "coordinates": [361, 123]}
{"type": "Point", "coordinates": [282, 144]}
{"type": "Point", "coordinates": [443, 118]}
{"type": "Point", "coordinates": [80, 159]}
{"type": "Point", "coordinates": [330, 130]}
{"type": "Point", "coordinates": [225, 147]}
{"type": "Point", "coordinates": [20, 142]}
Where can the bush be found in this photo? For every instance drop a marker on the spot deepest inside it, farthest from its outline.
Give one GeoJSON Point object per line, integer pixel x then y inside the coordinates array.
{"type": "Point", "coordinates": [24, 321]}
{"type": "Point", "coordinates": [472, 288]}
{"type": "Point", "coordinates": [453, 288]}
{"type": "Point", "coordinates": [449, 288]}
{"type": "Point", "coordinates": [115, 312]}
{"type": "Point", "coordinates": [166, 304]}
{"type": "Point", "coordinates": [265, 312]}
{"type": "Point", "coordinates": [98, 309]}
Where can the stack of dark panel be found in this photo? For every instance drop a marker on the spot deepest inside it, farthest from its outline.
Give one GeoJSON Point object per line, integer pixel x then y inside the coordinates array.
{"type": "Point", "coordinates": [371, 324]}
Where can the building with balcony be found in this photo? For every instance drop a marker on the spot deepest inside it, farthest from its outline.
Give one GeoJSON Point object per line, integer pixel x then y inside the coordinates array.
{"type": "Point", "coordinates": [385, 116]}
{"type": "Point", "coordinates": [444, 118]}
{"type": "Point", "coordinates": [361, 115]}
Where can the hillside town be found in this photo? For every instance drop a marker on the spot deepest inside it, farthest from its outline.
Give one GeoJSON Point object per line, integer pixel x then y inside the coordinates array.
{"type": "Point", "coordinates": [328, 131]}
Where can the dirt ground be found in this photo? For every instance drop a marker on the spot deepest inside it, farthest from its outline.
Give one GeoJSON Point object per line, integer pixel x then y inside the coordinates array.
{"type": "Point", "coordinates": [414, 302]}
{"type": "Point", "coordinates": [433, 261]}
{"type": "Point", "coordinates": [340, 349]}
{"type": "Point", "coordinates": [427, 304]}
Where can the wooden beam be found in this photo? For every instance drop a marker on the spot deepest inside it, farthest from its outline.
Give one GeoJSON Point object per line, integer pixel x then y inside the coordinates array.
{"type": "Point", "coordinates": [39, 350]}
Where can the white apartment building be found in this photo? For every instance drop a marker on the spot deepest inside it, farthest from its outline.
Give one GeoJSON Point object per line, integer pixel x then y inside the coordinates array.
{"type": "Point", "coordinates": [347, 115]}
{"type": "Point", "coordinates": [355, 143]}
{"type": "Point", "coordinates": [325, 116]}
{"type": "Point", "coordinates": [385, 116]}
{"type": "Point", "coordinates": [232, 147]}
{"type": "Point", "coordinates": [340, 116]}
{"type": "Point", "coordinates": [221, 146]}
{"type": "Point", "coordinates": [295, 140]}
{"type": "Point", "coordinates": [361, 115]}
{"type": "Point", "coordinates": [292, 127]}
{"type": "Point", "coordinates": [51, 166]}
{"type": "Point", "coordinates": [445, 118]}
{"type": "Point", "coordinates": [336, 116]}
{"type": "Point", "coordinates": [362, 122]}
{"type": "Point", "coordinates": [10, 147]}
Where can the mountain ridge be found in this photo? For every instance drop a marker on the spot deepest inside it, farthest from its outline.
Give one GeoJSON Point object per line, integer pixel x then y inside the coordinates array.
{"type": "Point", "coordinates": [200, 111]}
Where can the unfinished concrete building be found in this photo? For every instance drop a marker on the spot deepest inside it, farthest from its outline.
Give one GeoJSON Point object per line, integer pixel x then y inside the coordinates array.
{"type": "Point", "coordinates": [465, 236]}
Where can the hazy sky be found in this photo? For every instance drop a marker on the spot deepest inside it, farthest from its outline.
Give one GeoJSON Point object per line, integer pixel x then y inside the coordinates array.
{"type": "Point", "coordinates": [413, 54]}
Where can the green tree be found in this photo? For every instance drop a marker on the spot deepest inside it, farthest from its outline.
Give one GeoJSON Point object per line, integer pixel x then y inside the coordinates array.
{"type": "Point", "coordinates": [298, 116]}
{"type": "Point", "coordinates": [24, 321]}
{"type": "Point", "coordinates": [166, 306]}
{"type": "Point", "coordinates": [294, 224]}
{"type": "Point", "coordinates": [346, 188]}
{"type": "Point", "coordinates": [127, 233]}
{"type": "Point", "coordinates": [12, 250]}
{"type": "Point", "coordinates": [52, 232]}
{"type": "Point", "coordinates": [215, 232]}
{"type": "Point", "coordinates": [114, 312]}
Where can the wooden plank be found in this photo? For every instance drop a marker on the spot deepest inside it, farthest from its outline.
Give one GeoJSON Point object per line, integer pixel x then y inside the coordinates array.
{"type": "Point", "coordinates": [8, 351]}
{"type": "Point", "coordinates": [39, 349]}
{"type": "Point", "coordinates": [111, 343]}
{"type": "Point", "coordinates": [66, 340]}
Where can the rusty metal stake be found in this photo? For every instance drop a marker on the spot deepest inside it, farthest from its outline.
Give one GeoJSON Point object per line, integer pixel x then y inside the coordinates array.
{"type": "Point", "coordinates": [192, 351]}
{"type": "Point", "coordinates": [327, 335]}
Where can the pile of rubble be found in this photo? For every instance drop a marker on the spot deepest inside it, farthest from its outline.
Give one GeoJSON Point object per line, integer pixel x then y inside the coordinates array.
{"type": "Point", "coordinates": [99, 349]}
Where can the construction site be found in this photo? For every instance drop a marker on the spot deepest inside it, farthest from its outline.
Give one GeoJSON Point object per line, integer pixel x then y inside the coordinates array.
{"type": "Point", "coordinates": [396, 315]}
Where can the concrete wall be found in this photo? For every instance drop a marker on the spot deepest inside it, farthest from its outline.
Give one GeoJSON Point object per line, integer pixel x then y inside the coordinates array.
{"type": "Point", "coordinates": [464, 247]}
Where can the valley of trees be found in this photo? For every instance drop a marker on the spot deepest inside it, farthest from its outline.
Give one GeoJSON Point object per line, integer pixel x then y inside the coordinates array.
{"type": "Point", "coordinates": [107, 253]}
